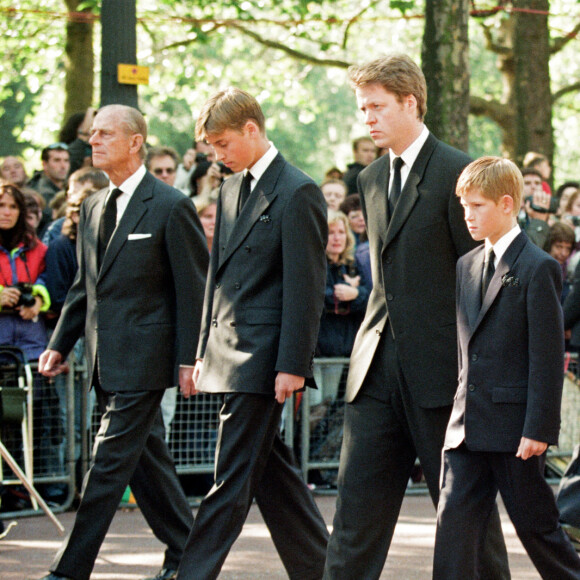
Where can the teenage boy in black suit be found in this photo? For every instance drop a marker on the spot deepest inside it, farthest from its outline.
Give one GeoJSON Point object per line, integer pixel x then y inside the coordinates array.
{"type": "Point", "coordinates": [262, 309]}
{"type": "Point", "coordinates": [507, 406]}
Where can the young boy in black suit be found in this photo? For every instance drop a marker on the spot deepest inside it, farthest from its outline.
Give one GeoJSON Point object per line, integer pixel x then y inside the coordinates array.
{"type": "Point", "coordinates": [507, 407]}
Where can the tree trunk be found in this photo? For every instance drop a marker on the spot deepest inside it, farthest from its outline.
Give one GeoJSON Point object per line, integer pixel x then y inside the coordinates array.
{"type": "Point", "coordinates": [79, 63]}
{"type": "Point", "coordinates": [532, 84]}
{"type": "Point", "coordinates": [445, 56]}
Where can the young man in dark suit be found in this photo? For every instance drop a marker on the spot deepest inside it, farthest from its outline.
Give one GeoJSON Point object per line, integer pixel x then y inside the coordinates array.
{"type": "Point", "coordinates": [263, 304]}
{"type": "Point", "coordinates": [138, 300]}
{"type": "Point", "coordinates": [511, 366]}
{"type": "Point", "coordinates": [403, 368]}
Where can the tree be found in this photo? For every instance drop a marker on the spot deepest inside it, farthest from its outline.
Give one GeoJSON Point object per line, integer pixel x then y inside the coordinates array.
{"type": "Point", "coordinates": [445, 60]}
{"type": "Point", "coordinates": [293, 55]}
{"type": "Point", "coordinates": [523, 47]}
{"type": "Point", "coordinates": [80, 60]}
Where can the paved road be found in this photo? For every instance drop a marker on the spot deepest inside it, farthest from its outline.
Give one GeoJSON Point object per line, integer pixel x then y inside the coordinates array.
{"type": "Point", "coordinates": [130, 551]}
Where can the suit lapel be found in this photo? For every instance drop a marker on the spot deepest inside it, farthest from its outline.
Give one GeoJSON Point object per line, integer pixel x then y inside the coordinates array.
{"type": "Point", "coordinates": [261, 197]}
{"type": "Point", "coordinates": [230, 194]}
{"type": "Point", "coordinates": [505, 264]}
{"type": "Point", "coordinates": [376, 199]}
{"type": "Point", "coordinates": [472, 286]}
{"type": "Point", "coordinates": [410, 193]}
{"type": "Point", "coordinates": [131, 217]}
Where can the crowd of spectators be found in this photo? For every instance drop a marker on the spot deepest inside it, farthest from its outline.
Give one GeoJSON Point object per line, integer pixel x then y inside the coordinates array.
{"type": "Point", "coordinates": [39, 214]}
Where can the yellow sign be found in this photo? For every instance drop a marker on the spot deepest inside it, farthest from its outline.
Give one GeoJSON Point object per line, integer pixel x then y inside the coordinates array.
{"type": "Point", "coordinates": [132, 74]}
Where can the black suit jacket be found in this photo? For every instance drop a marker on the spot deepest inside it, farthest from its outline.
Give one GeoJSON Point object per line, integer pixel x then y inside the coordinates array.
{"type": "Point", "coordinates": [265, 289]}
{"type": "Point", "coordinates": [511, 351]}
{"type": "Point", "coordinates": [413, 259]}
{"type": "Point", "coordinates": [140, 313]}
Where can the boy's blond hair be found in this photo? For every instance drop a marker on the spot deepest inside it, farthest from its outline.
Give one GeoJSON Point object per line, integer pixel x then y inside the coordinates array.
{"type": "Point", "coordinates": [493, 177]}
{"type": "Point", "coordinates": [396, 73]}
{"type": "Point", "coordinates": [230, 109]}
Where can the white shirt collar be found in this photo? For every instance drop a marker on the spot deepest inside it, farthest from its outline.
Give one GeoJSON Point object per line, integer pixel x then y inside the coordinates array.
{"type": "Point", "coordinates": [128, 188]}
{"type": "Point", "coordinates": [409, 155]}
{"type": "Point", "coordinates": [131, 183]}
{"type": "Point", "coordinates": [259, 168]}
{"type": "Point", "coordinates": [500, 247]}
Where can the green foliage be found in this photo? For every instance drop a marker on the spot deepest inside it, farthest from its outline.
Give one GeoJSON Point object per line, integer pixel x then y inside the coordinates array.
{"type": "Point", "coordinates": [194, 47]}
{"type": "Point", "coordinates": [17, 104]}
{"type": "Point", "coordinates": [31, 71]}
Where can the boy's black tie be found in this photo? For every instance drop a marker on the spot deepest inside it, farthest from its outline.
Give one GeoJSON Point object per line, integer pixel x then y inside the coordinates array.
{"type": "Point", "coordinates": [245, 191]}
{"type": "Point", "coordinates": [108, 222]}
{"type": "Point", "coordinates": [488, 271]}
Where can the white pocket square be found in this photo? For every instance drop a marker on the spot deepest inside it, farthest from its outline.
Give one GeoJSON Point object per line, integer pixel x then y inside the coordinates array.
{"type": "Point", "coordinates": [138, 236]}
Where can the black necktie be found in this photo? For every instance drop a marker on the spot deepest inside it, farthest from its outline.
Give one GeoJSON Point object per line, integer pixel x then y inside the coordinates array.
{"type": "Point", "coordinates": [108, 222]}
{"type": "Point", "coordinates": [488, 271]}
{"type": "Point", "coordinates": [245, 191]}
{"type": "Point", "coordinates": [396, 186]}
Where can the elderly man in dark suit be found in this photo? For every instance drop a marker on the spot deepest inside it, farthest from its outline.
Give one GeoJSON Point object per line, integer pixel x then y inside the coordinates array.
{"type": "Point", "coordinates": [138, 299]}
{"type": "Point", "coordinates": [403, 369]}
{"type": "Point", "coordinates": [263, 303]}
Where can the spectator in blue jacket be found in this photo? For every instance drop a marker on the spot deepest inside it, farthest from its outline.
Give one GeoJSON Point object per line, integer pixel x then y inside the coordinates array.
{"type": "Point", "coordinates": [344, 304]}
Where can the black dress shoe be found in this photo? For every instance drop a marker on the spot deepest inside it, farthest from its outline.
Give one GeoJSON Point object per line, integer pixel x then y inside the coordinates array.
{"type": "Point", "coordinates": [52, 576]}
{"type": "Point", "coordinates": [164, 574]}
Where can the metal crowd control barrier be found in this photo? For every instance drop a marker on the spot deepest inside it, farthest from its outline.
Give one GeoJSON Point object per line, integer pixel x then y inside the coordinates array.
{"type": "Point", "coordinates": [321, 418]}
{"type": "Point", "coordinates": [560, 456]}
{"type": "Point", "coordinates": [52, 461]}
{"type": "Point", "coordinates": [193, 433]}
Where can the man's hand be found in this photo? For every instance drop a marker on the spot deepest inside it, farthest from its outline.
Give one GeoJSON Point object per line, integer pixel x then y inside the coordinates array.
{"type": "Point", "coordinates": [540, 199]}
{"type": "Point", "coordinates": [530, 447]}
{"type": "Point", "coordinates": [286, 384]}
{"type": "Point", "coordinates": [186, 381]}
{"type": "Point", "coordinates": [51, 364]}
{"type": "Point", "coordinates": [188, 378]}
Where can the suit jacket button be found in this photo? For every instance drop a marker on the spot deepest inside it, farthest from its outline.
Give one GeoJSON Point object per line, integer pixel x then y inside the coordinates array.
{"type": "Point", "coordinates": [471, 388]}
{"type": "Point", "coordinates": [247, 249]}
{"type": "Point", "coordinates": [390, 296]}
{"type": "Point", "coordinates": [237, 285]}
{"type": "Point", "coordinates": [389, 260]}
{"type": "Point", "coordinates": [378, 332]}
{"type": "Point", "coordinates": [474, 357]}
{"type": "Point", "coordinates": [214, 322]}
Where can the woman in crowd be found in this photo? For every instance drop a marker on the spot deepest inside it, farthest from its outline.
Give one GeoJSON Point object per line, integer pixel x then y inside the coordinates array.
{"type": "Point", "coordinates": [23, 297]}
{"type": "Point", "coordinates": [61, 259]}
{"type": "Point", "coordinates": [23, 293]}
{"type": "Point", "coordinates": [206, 210]}
{"type": "Point", "coordinates": [344, 303]}
{"type": "Point", "coordinates": [559, 245]}
{"type": "Point", "coordinates": [352, 209]}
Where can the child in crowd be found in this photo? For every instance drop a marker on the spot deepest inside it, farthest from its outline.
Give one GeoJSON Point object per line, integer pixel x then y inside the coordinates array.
{"type": "Point", "coordinates": [507, 407]}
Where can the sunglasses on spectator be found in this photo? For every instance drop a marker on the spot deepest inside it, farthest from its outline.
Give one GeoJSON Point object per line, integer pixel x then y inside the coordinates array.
{"type": "Point", "coordinates": [57, 146]}
{"type": "Point", "coordinates": [162, 170]}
